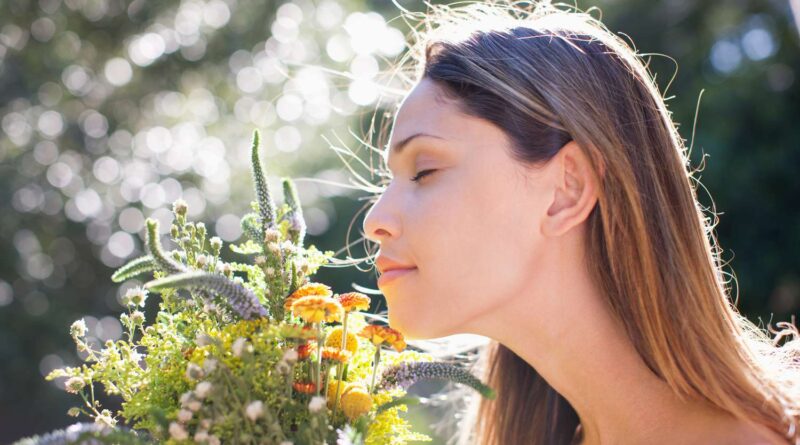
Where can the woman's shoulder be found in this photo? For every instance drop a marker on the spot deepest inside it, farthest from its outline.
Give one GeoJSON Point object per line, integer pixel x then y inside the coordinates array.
{"type": "Point", "coordinates": [750, 434]}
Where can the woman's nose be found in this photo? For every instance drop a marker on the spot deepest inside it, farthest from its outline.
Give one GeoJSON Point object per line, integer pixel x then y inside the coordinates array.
{"type": "Point", "coordinates": [379, 223]}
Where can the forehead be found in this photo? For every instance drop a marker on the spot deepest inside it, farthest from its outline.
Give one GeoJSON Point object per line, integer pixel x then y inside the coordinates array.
{"type": "Point", "coordinates": [424, 110]}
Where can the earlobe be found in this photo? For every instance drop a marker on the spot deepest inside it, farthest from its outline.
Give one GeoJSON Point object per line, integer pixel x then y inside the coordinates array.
{"type": "Point", "coordinates": [574, 191]}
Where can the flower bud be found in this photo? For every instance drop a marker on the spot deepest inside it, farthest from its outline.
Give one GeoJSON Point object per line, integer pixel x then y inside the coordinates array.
{"type": "Point", "coordinates": [74, 384]}
{"type": "Point", "coordinates": [180, 207]}
{"type": "Point", "coordinates": [137, 317]}
{"type": "Point", "coordinates": [78, 329]}
{"type": "Point", "coordinates": [254, 410]}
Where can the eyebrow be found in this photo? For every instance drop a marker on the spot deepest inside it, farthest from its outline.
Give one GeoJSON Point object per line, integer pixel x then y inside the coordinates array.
{"type": "Point", "coordinates": [398, 147]}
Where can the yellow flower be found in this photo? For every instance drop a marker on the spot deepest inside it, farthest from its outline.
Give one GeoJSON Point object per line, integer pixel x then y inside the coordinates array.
{"type": "Point", "coordinates": [335, 340]}
{"type": "Point", "coordinates": [356, 401]}
{"type": "Point", "coordinates": [331, 393]}
{"type": "Point", "coordinates": [383, 334]}
{"type": "Point", "coordinates": [318, 289]}
{"type": "Point", "coordinates": [335, 354]}
{"type": "Point", "coordinates": [354, 301]}
{"type": "Point", "coordinates": [314, 309]}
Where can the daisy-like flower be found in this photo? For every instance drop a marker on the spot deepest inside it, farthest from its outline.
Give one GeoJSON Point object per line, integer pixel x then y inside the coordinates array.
{"type": "Point", "coordinates": [334, 340]}
{"type": "Point", "coordinates": [318, 289]}
{"type": "Point", "coordinates": [304, 387]}
{"type": "Point", "coordinates": [353, 301]}
{"type": "Point", "coordinates": [335, 354]}
{"type": "Point", "coordinates": [314, 309]}
{"type": "Point", "coordinates": [383, 334]}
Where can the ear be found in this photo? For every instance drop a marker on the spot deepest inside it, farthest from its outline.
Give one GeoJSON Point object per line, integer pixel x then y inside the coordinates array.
{"type": "Point", "coordinates": [575, 190]}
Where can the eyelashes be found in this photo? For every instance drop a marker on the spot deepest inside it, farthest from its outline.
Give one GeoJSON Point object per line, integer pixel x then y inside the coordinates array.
{"type": "Point", "coordinates": [422, 174]}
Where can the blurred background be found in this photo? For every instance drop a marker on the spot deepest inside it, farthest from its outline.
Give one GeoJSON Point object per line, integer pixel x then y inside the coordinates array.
{"type": "Point", "coordinates": [112, 109]}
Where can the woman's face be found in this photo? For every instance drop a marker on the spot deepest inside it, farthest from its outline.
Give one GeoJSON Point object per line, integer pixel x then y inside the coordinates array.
{"type": "Point", "coordinates": [470, 227]}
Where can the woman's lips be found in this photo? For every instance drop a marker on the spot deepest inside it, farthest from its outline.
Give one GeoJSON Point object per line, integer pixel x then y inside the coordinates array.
{"type": "Point", "coordinates": [391, 275]}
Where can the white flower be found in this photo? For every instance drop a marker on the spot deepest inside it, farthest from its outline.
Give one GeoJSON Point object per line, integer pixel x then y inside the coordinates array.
{"type": "Point", "coordinates": [137, 317]}
{"type": "Point", "coordinates": [270, 271]}
{"type": "Point", "coordinates": [201, 260]}
{"type": "Point", "coordinates": [202, 389]}
{"type": "Point", "coordinates": [177, 431]}
{"type": "Point", "coordinates": [254, 410]}
{"type": "Point", "coordinates": [184, 415]}
{"type": "Point", "coordinates": [287, 442]}
{"type": "Point", "coordinates": [105, 418]}
{"type": "Point", "coordinates": [78, 329]}
{"type": "Point", "coordinates": [180, 207]}
{"type": "Point", "coordinates": [209, 365]}
{"type": "Point", "coordinates": [203, 339]}
{"type": "Point", "coordinates": [283, 367]}
{"type": "Point", "coordinates": [215, 242]}
{"type": "Point", "coordinates": [271, 235]}
{"type": "Point", "coordinates": [135, 296]}
{"type": "Point", "coordinates": [194, 405]}
{"type": "Point", "coordinates": [316, 404]}
{"type": "Point", "coordinates": [186, 398]}
{"type": "Point", "coordinates": [136, 356]}
{"type": "Point", "coordinates": [201, 436]}
{"type": "Point", "coordinates": [213, 440]}
{"type": "Point", "coordinates": [194, 372]}
{"type": "Point", "coordinates": [238, 346]}
{"type": "Point", "coordinates": [74, 384]}
{"type": "Point", "coordinates": [290, 355]}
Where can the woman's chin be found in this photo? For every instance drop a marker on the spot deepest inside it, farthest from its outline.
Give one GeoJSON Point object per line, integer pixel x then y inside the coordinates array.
{"type": "Point", "coordinates": [413, 326]}
{"type": "Point", "coordinates": [408, 328]}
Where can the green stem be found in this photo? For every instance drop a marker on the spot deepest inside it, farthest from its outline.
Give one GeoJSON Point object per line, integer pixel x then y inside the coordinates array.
{"type": "Point", "coordinates": [319, 355]}
{"type": "Point", "coordinates": [340, 367]}
{"type": "Point", "coordinates": [375, 368]}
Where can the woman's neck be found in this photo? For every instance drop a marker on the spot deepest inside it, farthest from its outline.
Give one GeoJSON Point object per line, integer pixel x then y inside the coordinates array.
{"type": "Point", "coordinates": [562, 326]}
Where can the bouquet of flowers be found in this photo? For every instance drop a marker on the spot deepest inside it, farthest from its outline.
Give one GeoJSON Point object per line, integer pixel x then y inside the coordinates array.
{"type": "Point", "coordinates": [249, 352]}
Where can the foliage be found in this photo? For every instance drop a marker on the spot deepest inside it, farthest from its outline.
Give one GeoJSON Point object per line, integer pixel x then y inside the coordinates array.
{"type": "Point", "coordinates": [235, 354]}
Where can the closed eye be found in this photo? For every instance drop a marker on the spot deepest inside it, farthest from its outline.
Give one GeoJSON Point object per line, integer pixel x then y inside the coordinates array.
{"type": "Point", "coordinates": [422, 174]}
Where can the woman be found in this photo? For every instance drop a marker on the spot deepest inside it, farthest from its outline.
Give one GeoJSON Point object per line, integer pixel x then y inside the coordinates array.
{"type": "Point", "coordinates": [540, 197]}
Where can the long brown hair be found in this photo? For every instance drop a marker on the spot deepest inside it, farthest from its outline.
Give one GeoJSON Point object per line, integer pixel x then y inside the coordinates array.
{"type": "Point", "coordinates": [545, 76]}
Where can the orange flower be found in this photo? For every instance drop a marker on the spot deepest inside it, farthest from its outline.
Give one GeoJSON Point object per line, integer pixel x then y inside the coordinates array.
{"type": "Point", "coordinates": [305, 387]}
{"type": "Point", "coordinates": [319, 289]}
{"type": "Point", "coordinates": [335, 354]}
{"type": "Point", "coordinates": [303, 351]}
{"type": "Point", "coordinates": [383, 334]}
{"type": "Point", "coordinates": [334, 339]}
{"type": "Point", "coordinates": [354, 301]}
{"type": "Point", "coordinates": [314, 309]}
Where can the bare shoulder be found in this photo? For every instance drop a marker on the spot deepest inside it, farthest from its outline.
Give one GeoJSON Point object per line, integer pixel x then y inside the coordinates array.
{"type": "Point", "coordinates": [749, 434]}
